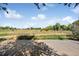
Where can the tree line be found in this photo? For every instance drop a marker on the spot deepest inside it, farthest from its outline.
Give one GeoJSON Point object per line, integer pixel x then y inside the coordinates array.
{"type": "Point", "coordinates": [58, 27]}
{"type": "Point", "coordinates": [7, 28]}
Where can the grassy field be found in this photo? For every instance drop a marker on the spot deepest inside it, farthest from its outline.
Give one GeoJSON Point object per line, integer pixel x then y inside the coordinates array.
{"type": "Point", "coordinates": [38, 34]}
{"type": "Point", "coordinates": [55, 37]}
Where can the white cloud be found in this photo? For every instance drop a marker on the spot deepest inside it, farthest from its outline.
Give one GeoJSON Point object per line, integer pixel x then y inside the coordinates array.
{"type": "Point", "coordinates": [34, 18]}
{"type": "Point", "coordinates": [76, 10]}
{"type": "Point", "coordinates": [44, 23]}
{"type": "Point", "coordinates": [12, 14]}
{"type": "Point", "coordinates": [39, 17]}
{"type": "Point", "coordinates": [68, 19]}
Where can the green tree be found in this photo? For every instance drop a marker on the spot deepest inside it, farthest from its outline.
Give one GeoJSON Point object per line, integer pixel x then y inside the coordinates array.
{"type": "Point", "coordinates": [63, 27]}
{"type": "Point", "coordinates": [69, 27]}
{"type": "Point", "coordinates": [49, 27]}
{"type": "Point", "coordinates": [57, 26]}
{"type": "Point", "coordinates": [75, 30]}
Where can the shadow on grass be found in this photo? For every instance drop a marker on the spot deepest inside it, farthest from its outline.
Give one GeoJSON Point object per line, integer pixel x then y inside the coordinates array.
{"type": "Point", "coordinates": [25, 46]}
{"type": "Point", "coordinates": [60, 38]}
{"type": "Point", "coordinates": [25, 37]}
{"type": "Point", "coordinates": [2, 39]}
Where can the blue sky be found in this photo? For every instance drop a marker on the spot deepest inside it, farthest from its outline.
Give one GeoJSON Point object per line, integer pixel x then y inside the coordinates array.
{"type": "Point", "coordinates": [24, 15]}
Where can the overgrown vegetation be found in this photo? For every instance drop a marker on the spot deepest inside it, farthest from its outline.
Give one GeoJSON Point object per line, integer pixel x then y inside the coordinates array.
{"type": "Point", "coordinates": [53, 37]}
{"type": "Point", "coordinates": [58, 27]}
{"type": "Point", "coordinates": [75, 30]}
{"type": "Point", "coordinates": [56, 31]}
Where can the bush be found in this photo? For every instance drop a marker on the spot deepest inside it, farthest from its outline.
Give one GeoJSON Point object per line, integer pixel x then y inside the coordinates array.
{"type": "Point", "coordinates": [75, 30]}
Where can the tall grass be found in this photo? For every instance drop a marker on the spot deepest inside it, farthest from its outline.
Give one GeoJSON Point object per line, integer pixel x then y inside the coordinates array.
{"type": "Point", "coordinates": [39, 34]}
{"type": "Point", "coordinates": [53, 37]}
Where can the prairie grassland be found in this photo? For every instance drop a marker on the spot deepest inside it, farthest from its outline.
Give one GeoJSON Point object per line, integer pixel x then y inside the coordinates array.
{"type": "Point", "coordinates": [35, 32]}
{"type": "Point", "coordinates": [38, 34]}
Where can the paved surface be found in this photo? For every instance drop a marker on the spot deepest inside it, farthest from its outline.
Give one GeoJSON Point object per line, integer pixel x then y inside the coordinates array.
{"type": "Point", "coordinates": [64, 47]}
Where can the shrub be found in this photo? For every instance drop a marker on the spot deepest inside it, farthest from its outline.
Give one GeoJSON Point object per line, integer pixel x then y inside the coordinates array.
{"type": "Point", "coordinates": [75, 30]}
